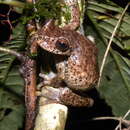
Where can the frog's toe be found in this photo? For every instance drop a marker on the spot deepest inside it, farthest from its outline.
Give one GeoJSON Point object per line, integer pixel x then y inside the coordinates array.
{"type": "Point", "coordinates": [66, 96]}
{"type": "Point", "coordinates": [51, 93]}
{"type": "Point", "coordinates": [48, 78]}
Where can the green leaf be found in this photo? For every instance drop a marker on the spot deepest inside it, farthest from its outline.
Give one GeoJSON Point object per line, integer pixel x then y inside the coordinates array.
{"type": "Point", "coordinates": [13, 3]}
{"type": "Point", "coordinates": [46, 9]}
{"type": "Point", "coordinates": [115, 82]}
{"type": "Point", "coordinates": [11, 111]}
{"type": "Point", "coordinates": [11, 84]}
{"type": "Point", "coordinates": [17, 43]}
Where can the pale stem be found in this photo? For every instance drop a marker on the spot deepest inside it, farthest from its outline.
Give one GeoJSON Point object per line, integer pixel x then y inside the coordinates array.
{"type": "Point", "coordinates": [12, 52]}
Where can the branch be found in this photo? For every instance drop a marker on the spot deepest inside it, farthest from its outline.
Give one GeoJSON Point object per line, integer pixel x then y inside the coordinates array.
{"type": "Point", "coordinates": [30, 73]}
{"type": "Point", "coordinates": [28, 69]}
{"type": "Point", "coordinates": [12, 52]}
{"type": "Point", "coordinates": [121, 120]}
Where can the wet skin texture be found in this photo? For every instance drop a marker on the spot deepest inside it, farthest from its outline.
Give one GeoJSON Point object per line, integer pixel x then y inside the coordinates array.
{"type": "Point", "coordinates": [80, 69]}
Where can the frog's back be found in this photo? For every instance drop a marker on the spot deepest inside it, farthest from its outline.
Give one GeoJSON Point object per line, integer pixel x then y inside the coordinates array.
{"type": "Point", "coordinates": [82, 69]}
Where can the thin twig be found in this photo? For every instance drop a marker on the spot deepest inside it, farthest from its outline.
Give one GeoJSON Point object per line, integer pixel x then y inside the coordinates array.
{"type": "Point", "coordinates": [119, 125]}
{"type": "Point", "coordinates": [30, 86]}
{"type": "Point", "coordinates": [120, 119]}
{"type": "Point", "coordinates": [125, 122]}
{"type": "Point", "coordinates": [12, 52]}
{"type": "Point", "coordinates": [36, 19]}
{"type": "Point", "coordinates": [107, 118]}
{"type": "Point", "coordinates": [110, 41]}
{"type": "Point", "coordinates": [128, 112]}
{"type": "Point", "coordinates": [120, 122]}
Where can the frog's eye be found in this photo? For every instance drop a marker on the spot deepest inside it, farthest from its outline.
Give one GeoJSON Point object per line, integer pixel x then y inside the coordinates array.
{"type": "Point", "coordinates": [62, 46]}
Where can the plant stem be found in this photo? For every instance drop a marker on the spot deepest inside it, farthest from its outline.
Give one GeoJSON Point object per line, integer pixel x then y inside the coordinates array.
{"type": "Point", "coordinates": [12, 52]}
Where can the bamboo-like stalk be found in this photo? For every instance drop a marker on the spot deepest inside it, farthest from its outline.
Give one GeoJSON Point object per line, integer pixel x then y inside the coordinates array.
{"type": "Point", "coordinates": [51, 115]}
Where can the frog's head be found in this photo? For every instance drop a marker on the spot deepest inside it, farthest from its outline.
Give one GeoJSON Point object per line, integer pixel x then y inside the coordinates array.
{"type": "Point", "coordinates": [54, 39]}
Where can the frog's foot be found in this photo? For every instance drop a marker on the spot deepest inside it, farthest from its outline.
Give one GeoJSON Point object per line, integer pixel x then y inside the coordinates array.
{"type": "Point", "coordinates": [51, 93]}
{"type": "Point", "coordinates": [66, 96]}
{"type": "Point", "coordinates": [48, 78]}
{"type": "Point", "coordinates": [51, 79]}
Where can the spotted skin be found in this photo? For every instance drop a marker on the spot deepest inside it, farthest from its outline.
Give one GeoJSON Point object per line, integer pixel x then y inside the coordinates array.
{"type": "Point", "coordinates": [80, 70]}
{"type": "Point", "coordinates": [76, 60]}
{"type": "Point", "coordinates": [76, 66]}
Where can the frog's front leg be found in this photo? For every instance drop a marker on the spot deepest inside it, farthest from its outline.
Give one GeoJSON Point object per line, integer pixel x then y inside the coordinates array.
{"type": "Point", "coordinates": [66, 96]}
{"type": "Point", "coordinates": [75, 14]}
{"type": "Point", "coordinates": [51, 79]}
{"type": "Point", "coordinates": [55, 79]}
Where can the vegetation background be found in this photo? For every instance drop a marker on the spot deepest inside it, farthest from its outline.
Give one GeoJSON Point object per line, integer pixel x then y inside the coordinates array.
{"type": "Point", "coordinates": [113, 96]}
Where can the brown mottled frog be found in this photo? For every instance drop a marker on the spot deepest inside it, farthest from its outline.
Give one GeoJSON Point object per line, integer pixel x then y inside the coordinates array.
{"type": "Point", "coordinates": [76, 61]}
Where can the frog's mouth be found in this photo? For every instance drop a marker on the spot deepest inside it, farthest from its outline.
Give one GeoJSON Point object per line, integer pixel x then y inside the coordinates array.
{"type": "Point", "coordinates": [49, 60]}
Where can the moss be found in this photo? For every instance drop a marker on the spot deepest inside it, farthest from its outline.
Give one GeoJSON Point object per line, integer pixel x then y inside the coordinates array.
{"type": "Point", "coordinates": [46, 9]}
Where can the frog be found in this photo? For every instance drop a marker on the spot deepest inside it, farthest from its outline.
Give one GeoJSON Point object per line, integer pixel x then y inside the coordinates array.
{"type": "Point", "coordinates": [75, 58]}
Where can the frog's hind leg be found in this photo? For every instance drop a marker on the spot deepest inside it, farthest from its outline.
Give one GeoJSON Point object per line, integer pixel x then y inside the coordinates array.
{"type": "Point", "coordinates": [66, 96]}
